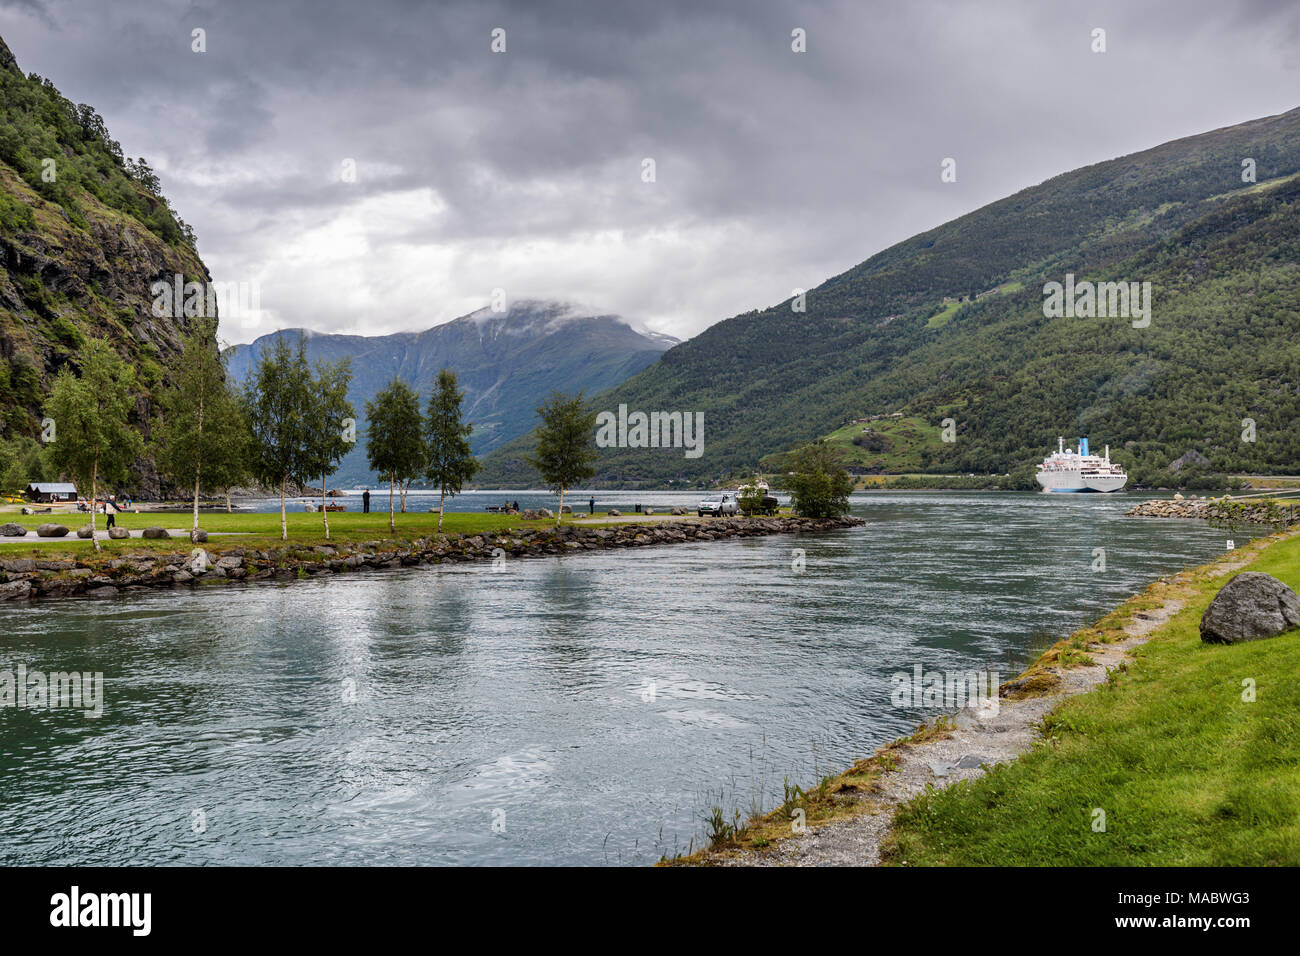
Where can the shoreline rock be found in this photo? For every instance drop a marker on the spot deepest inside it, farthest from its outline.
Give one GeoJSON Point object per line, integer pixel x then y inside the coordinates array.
{"type": "Point", "coordinates": [25, 578]}
{"type": "Point", "coordinates": [1251, 607]}
{"type": "Point", "coordinates": [1218, 509]}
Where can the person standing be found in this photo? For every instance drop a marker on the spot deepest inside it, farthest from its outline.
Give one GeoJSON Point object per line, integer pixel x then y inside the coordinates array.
{"type": "Point", "coordinates": [591, 505]}
{"type": "Point", "coordinates": [365, 502]}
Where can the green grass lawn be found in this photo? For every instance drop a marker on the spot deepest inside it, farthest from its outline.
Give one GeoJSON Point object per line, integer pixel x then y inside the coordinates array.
{"type": "Point", "coordinates": [944, 315]}
{"type": "Point", "coordinates": [263, 530]}
{"type": "Point", "coordinates": [1187, 773]}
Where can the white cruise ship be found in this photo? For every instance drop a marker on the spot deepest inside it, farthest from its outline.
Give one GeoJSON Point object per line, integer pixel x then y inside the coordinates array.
{"type": "Point", "coordinates": [1066, 470]}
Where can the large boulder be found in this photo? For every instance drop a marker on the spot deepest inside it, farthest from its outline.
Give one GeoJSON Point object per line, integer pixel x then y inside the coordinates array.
{"type": "Point", "coordinates": [117, 533]}
{"type": "Point", "coordinates": [12, 530]}
{"type": "Point", "coordinates": [51, 531]}
{"type": "Point", "coordinates": [13, 590]}
{"type": "Point", "coordinates": [1250, 607]}
{"type": "Point", "coordinates": [154, 533]}
{"type": "Point", "coordinates": [85, 531]}
{"type": "Point", "coordinates": [546, 512]}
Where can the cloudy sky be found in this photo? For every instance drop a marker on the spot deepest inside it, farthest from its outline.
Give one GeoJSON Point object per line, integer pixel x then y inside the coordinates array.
{"type": "Point", "coordinates": [524, 170]}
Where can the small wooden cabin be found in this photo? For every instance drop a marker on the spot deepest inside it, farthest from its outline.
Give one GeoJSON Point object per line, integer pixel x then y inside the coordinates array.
{"type": "Point", "coordinates": [48, 491]}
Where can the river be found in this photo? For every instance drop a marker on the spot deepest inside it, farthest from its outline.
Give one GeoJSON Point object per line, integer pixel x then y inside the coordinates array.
{"type": "Point", "coordinates": [584, 709]}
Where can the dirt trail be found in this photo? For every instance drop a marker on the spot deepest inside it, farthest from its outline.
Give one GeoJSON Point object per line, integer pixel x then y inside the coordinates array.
{"type": "Point", "coordinates": [978, 741]}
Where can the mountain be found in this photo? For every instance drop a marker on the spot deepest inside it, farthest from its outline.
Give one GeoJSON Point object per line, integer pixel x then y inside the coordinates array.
{"type": "Point", "coordinates": [84, 234]}
{"type": "Point", "coordinates": [951, 324]}
{"type": "Point", "coordinates": [506, 362]}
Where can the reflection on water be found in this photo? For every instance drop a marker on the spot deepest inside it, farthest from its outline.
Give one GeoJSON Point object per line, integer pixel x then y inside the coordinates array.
{"type": "Point", "coordinates": [584, 709]}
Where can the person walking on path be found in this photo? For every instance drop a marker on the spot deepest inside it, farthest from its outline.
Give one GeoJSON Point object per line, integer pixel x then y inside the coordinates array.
{"type": "Point", "coordinates": [365, 502]}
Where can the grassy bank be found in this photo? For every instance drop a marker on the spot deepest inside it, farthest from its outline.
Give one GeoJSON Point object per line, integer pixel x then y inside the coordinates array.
{"type": "Point", "coordinates": [1186, 772]}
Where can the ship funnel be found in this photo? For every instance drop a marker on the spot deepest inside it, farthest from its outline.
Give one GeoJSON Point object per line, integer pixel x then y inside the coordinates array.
{"type": "Point", "coordinates": [1083, 446]}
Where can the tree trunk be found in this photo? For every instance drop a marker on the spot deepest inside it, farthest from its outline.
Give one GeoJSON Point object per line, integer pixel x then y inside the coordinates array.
{"type": "Point", "coordinates": [228, 511]}
{"type": "Point", "coordinates": [194, 528]}
{"type": "Point", "coordinates": [284, 522]}
{"type": "Point", "coordinates": [441, 498]}
{"type": "Point", "coordinates": [198, 472]}
{"type": "Point", "coordinates": [94, 485]}
{"type": "Point", "coordinates": [325, 515]}
{"type": "Point", "coordinates": [392, 483]}
{"type": "Point", "coordinates": [559, 512]}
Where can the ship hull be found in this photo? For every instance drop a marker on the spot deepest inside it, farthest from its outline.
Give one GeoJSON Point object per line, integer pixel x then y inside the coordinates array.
{"type": "Point", "coordinates": [1105, 484]}
{"type": "Point", "coordinates": [1069, 482]}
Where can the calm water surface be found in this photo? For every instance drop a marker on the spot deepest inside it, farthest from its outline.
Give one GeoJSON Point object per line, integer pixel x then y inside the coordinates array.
{"type": "Point", "coordinates": [524, 697]}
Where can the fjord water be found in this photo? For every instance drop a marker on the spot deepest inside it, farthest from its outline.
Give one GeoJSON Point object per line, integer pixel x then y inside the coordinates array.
{"type": "Point", "coordinates": [522, 698]}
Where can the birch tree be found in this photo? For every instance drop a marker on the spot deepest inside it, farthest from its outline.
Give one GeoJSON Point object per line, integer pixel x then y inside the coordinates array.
{"type": "Point", "coordinates": [278, 401]}
{"type": "Point", "coordinates": [93, 438]}
{"type": "Point", "coordinates": [451, 463]}
{"type": "Point", "coordinates": [200, 435]}
{"type": "Point", "coordinates": [333, 426]}
{"type": "Point", "coordinates": [394, 437]}
{"type": "Point", "coordinates": [565, 454]}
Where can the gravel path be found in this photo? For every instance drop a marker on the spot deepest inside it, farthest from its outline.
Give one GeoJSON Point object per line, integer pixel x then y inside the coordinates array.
{"type": "Point", "coordinates": [980, 740]}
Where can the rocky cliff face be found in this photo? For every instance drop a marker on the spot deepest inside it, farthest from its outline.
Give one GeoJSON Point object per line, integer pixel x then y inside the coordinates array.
{"type": "Point", "coordinates": [79, 252]}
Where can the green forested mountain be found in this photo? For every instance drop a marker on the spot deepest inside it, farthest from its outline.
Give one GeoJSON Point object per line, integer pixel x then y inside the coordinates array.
{"type": "Point", "coordinates": [84, 233]}
{"type": "Point", "coordinates": [904, 332]}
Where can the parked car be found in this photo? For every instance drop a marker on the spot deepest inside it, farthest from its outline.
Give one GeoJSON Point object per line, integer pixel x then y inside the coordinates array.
{"type": "Point", "coordinates": [722, 505]}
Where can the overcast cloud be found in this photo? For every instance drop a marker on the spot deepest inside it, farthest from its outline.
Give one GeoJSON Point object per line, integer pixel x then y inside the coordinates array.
{"type": "Point", "coordinates": [522, 170]}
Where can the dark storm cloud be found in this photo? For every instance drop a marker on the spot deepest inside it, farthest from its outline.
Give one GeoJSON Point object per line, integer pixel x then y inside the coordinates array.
{"type": "Point", "coordinates": [522, 170]}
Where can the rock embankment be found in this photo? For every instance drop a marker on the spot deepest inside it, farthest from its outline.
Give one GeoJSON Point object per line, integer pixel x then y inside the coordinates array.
{"type": "Point", "coordinates": [1219, 509]}
{"type": "Point", "coordinates": [110, 574]}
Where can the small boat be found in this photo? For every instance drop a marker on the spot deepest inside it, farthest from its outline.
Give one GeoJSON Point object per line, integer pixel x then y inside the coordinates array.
{"type": "Point", "coordinates": [1065, 470]}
